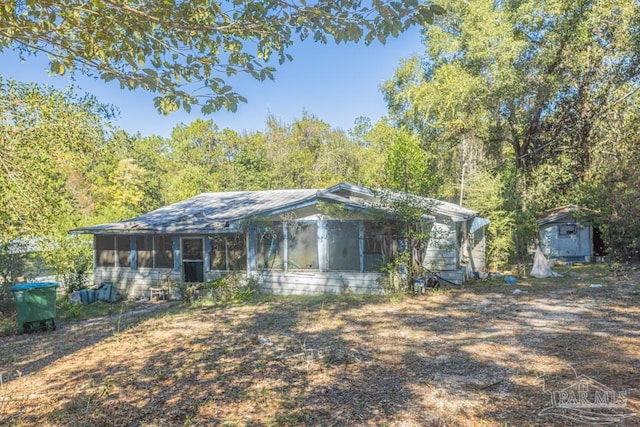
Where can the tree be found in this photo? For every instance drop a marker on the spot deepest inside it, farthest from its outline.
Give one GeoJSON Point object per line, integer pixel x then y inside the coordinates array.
{"type": "Point", "coordinates": [126, 174]}
{"type": "Point", "coordinates": [529, 83]}
{"type": "Point", "coordinates": [47, 141]}
{"type": "Point", "coordinates": [185, 51]}
{"type": "Point", "coordinates": [194, 154]}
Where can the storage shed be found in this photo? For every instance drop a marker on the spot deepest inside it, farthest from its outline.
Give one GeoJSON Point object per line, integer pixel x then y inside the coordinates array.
{"type": "Point", "coordinates": [308, 241]}
{"type": "Point", "coordinates": [567, 234]}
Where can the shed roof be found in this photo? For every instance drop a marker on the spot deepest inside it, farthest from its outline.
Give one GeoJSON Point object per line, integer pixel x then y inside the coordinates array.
{"type": "Point", "coordinates": [563, 212]}
{"type": "Point", "coordinates": [210, 212]}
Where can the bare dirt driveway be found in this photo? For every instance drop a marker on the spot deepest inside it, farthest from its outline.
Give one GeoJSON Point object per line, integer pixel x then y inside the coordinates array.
{"type": "Point", "coordinates": [562, 351]}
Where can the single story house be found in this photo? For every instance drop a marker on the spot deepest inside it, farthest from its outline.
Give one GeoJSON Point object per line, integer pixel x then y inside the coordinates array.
{"type": "Point", "coordinates": [308, 241]}
{"type": "Point", "coordinates": [567, 234]}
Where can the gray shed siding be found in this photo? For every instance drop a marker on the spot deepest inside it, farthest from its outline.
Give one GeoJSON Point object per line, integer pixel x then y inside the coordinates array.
{"type": "Point", "coordinates": [479, 251]}
{"type": "Point", "coordinates": [577, 246]}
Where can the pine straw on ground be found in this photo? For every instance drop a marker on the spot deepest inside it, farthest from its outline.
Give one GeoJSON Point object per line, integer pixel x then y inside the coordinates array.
{"type": "Point", "coordinates": [476, 356]}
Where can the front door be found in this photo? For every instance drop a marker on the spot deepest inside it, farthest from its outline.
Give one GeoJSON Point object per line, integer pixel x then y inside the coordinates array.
{"type": "Point", "coordinates": [192, 260]}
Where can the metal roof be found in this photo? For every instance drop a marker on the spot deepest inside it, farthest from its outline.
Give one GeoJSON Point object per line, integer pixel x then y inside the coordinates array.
{"type": "Point", "coordinates": [439, 207]}
{"type": "Point", "coordinates": [205, 211]}
{"type": "Point", "coordinates": [562, 212]}
{"type": "Point", "coordinates": [210, 212]}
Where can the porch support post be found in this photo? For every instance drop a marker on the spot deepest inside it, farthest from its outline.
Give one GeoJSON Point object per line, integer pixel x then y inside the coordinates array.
{"type": "Point", "coordinates": [134, 253]}
{"type": "Point", "coordinates": [207, 254]}
{"type": "Point", "coordinates": [251, 249]}
{"type": "Point", "coordinates": [361, 244]}
{"type": "Point", "coordinates": [322, 245]}
{"type": "Point", "coordinates": [285, 245]}
{"type": "Point", "coordinates": [176, 253]}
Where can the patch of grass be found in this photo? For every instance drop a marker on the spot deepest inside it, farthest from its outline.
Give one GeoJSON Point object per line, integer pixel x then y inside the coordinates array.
{"type": "Point", "coordinates": [8, 325]}
{"type": "Point", "coordinates": [69, 311]}
{"type": "Point", "coordinates": [459, 355]}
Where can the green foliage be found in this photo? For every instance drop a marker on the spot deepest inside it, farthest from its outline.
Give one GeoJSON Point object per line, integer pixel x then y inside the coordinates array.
{"type": "Point", "coordinates": [12, 263]}
{"type": "Point", "coordinates": [542, 87]}
{"type": "Point", "coordinates": [186, 51]}
{"type": "Point", "coordinates": [8, 325]}
{"type": "Point", "coordinates": [188, 292]}
{"type": "Point", "coordinates": [610, 188]}
{"type": "Point", "coordinates": [489, 195]}
{"type": "Point", "coordinates": [397, 281]}
{"type": "Point", "coordinates": [47, 138]}
{"type": "Point", "coordinates": [70, 311]}
{"type": "Point", "coordinates": [407, 166]}
{"type": "Point", "coordinates": [71, 259]}
{"type": "Point", "coordinates": [232, 288]}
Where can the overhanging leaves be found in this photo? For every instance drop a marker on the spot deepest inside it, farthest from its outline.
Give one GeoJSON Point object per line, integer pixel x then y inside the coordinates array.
{"type": "Point", "coordinates": [163, 46]}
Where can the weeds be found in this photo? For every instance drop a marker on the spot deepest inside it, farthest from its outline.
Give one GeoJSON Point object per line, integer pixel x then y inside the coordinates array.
{"type": "Point", "coordinates": [233, 288]}
{"type": "Point", "coordinates": [7, 325]}
{"type": "Point", "coordinates": [70, 311]}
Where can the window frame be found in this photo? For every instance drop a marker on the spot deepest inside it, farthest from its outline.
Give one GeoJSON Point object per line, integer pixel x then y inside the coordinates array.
{"type": "Point", "coordinates": [563, 230]}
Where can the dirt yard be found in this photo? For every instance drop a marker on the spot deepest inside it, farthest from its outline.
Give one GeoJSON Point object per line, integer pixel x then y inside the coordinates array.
{"type": "Point", "coordinates": [480, 355]}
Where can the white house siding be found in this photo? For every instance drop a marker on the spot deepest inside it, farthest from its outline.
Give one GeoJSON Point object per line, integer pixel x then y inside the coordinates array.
{"type": "Point", "coordinates": [298, 283]}
{"type": "Point", "coordinates": [133, 283]}
{"type": "Point", "coordinates": [136, 283]}
{"type": "Point", "coordinates": [442, 253]}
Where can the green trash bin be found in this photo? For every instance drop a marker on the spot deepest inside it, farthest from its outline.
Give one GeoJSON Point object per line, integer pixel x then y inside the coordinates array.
{"type": "Point", "coordinates": [35, 305]}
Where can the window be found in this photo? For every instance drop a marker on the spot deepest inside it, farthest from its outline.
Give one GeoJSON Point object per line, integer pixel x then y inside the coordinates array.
{"type": "Point", "coordinates": [192, 249]}
{"type": "Point", "coordinates": [123, 248]}
{"type": "Point", "coordinates": [380, 244]}
{"type": "Point", "coordinates": [302, 246]}
{"type": "Point", "coordinates": [105, 251]}
{"type": "Point", "coordinates": [343, 245]}
{"type": "Point", "coordinates": [228, 252]}
{"type": "Point", "coordinates": [269, 247]}
{"type": "Point", "coordinates": [154, 251]}
{"type": "Point", "coordinates": [567, 230]}
{"type": "Point", "coordinates": [113, 251]}
{"type": "Point", "coordinates": [163, 251]}
{"type": "Point", "coordinates": [218, 253]}
{"type": "Point", "coordinates": [144, 249]}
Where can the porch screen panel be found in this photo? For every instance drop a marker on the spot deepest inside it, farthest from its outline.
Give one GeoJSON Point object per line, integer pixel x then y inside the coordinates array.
{"type": "Point", "coordinates": [123, 247]}
{"type": "Point", "coordinates": [163, 251]}
{"type": "Point", "coordinates": [343, 246]}
{"type": "Point", "coordinates": [217, 255]}
{"type": "Point", "coordinates": [144, 248]}
{"type": "Point", "coordinates": [302, 246]}
{"type": "Point", "coordinates": [380, 244]}
{"type": "Point", "coordinates": [269, 247]}
{"type": "Point", "coordinates": [237, 252]}
{"type": "Point", "coordinates": [105, 251]}
{"type": "Point", "coordinates": [229, 252]}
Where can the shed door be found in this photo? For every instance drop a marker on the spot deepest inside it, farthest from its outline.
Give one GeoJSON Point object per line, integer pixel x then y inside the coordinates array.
{"type": "Point", "coordinates": [192, 260]}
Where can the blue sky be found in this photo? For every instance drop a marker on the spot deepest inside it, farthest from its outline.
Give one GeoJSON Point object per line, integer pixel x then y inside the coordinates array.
{"type": "Point", "coordinates": [336, 83]}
